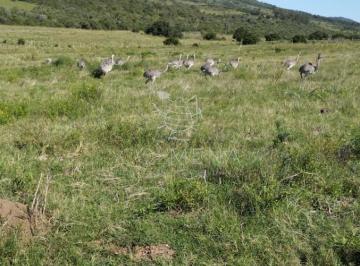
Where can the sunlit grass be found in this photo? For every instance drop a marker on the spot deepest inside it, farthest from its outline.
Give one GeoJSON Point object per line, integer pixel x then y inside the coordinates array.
{"type": "Point", "coordinates": [242, 169]}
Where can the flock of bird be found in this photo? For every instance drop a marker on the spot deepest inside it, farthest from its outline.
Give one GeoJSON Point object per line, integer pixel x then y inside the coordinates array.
{"type": "Point", "coordinates": [209, 68]}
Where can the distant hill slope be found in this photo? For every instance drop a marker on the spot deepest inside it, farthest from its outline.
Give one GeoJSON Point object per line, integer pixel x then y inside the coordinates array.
{"type": "Point", "coordinates": [190, 15]}
{"type": "Point", "coordinates": [9, 4]}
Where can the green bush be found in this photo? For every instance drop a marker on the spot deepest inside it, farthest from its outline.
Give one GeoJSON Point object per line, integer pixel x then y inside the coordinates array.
{"type": "Point", "coordinates": [171, 41]}
{"type": "Point", "coordinates": [63, 60]}
{"type": "Point", "coordinates": [250, 39]}
{"type": "Point", "coordinates": [11, 110]}
{"type": "Point", "coordinates": [209, 36]}
{"type": "Point", "coordinates": [88, 93]}
{"type": "Point", "coordinates": [163, 28]}
{"type": "Point", "coordinates": [318, 35]}
{"type": "Point", "coordinates": [299, 39]}
{"type": "Point", "coordinates": [245, 37]}
{"type": "Point", "coordinates": [21, 41]}
{"type": "Point", "coordinates": [272, 37]}
{"type": "Point", "coordinates": [183, 195]}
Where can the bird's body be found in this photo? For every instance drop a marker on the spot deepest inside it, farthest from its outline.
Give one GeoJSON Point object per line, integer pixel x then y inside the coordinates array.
{"type": "Point", "coordinates": [176, 64]}
{"type": "Point", "coordinates": [120, 62]}
{"type": "Point", "coordinates": [48, 61]}
{"type": "Point", "coordinates": [107, 65]}
{"type": "Point", "coordinates": [235, 63]}
{"type": "Point", "coordinates": [81, 64]}
{"type": "Point", "coordinates": [290, 63]}
{"type": "Point", "coordinates": [210, 62]}
{"type": "Point", "coordinates": [189, 63]}
{"type": "Point", "coordinates": [152, 75]}
{"type": "Point", "coordinates": [210, 70]}
{"type": "Point", "coordinates": [310, 68]}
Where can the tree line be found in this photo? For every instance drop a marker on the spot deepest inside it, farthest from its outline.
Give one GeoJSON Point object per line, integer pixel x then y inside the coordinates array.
{"type": "Point", "coordinates": [141, 14]}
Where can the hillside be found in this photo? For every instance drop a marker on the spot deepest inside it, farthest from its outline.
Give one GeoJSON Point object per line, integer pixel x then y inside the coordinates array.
{"type": "Point", "coordinates": [222, 16]}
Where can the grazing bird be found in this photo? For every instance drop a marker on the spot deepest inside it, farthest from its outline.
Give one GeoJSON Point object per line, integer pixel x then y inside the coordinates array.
{"type": "Point", "coordinates": [107, 65]}
{"type": "Point", "coordinates": [310, 68]}
{"type": "Point", "coordinates": [188, 63]}
{"type": "Point", "coordinates": [234, 63]}
{"type": "Point", "coordinates": [210, 62]}
{"type": "Point", "coordinates": [176, 64]}
{"type": "Point", "coordinates": [48, 61]}
{"type": "Point", "coordinates": [290, 63]}
{"type": "Point", "coordinates": [81, 64]}
{"type": "Point", "coordinates": [120, 62]}
{"type": "Point", "coordinates": [210, 70]}
{"type": "Point", "coordinates": [152, 75]}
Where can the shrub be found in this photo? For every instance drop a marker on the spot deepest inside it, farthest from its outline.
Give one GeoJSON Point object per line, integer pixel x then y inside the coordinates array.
{"type": "Point", "coordinates": [272, 37]}
{"type": "Point", "coordinates": [163, 28]}
{"type": "Point", "coordinates": [250, 39]}
{"type": "Point", "coordinates": [63, 60]}
{"type": "Point", "coordinates": [21, 41]}
{"type": "Point", "coordinates": [172, 41]}
{"type": "Point", "coordinates": [183, 195]}
{"type": "Point", "coordinates": [318, 35]}
{"type": "Point", "coordinates": [299, 39]}
{"type": "Point", "coordinates": [245, 37]}
{"type": "Point", "coordinates": [209, 36]}
{"type": "Point", "coordinates": [88, 93]}
{"type": "Point", "coordinates": [338, 36]}
{"type": "Point", "coordinates": [11, 110]}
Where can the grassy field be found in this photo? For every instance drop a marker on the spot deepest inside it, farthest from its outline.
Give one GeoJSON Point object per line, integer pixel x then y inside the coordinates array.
{"type": "Point", "coordinates": [254, 167]}
{"type": "Point", "coordinates": [16, 4]}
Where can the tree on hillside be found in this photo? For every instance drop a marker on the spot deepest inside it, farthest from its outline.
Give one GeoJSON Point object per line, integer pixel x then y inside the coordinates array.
{"type": "Point", "coordinates": [318, 35]}
{"type": "Point", "coordinates": [242, 35]}
{"type": "Point", "coordinates": [299, 39]}
{"type": "Point", "coordinates": [163, 28]}
{"type": "Point", "coordinates": [209, 36]}
{"type": "Point", "coordinates": [272, 37]}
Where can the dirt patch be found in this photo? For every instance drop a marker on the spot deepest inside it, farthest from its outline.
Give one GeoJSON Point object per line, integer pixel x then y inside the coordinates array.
{"type": "Point", "coordinates": [117, 250]}
{"type": "Point", "coordinates": [16, 216]}
{"type": "Point", "coordinates": [139, 253]}
{"type": "Point", "coordinates": [153, 252]}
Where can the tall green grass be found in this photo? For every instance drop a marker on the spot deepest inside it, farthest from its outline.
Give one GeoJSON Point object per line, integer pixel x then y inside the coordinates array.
{"type": "Point", "coordinates": [254, 167]}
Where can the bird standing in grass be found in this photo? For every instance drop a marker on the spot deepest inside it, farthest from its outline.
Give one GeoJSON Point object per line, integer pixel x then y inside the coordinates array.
{"type": "Point", "coordinates": [209, 62]}
{"type": "Point", "coordinates": [120, 62]}
{"type": "Point", "coordinates": [234, 63]}
{"type": "Point", "coordinates": [290, 63]}
{"type": "Point", "coordinates": [81, 64]}
{"type": "Point", "coordinates": [107, 65]}
{"type": "Point", "coordinates": [152, 75]}
{"type": "Point", "coordinates": [176, 64]}
{"type": "Point", "coordinates": [310, 68]}
{"type": "Point", "coordinates": [210, 70]}
{"type": "Point", "coordinates": [188, 63]}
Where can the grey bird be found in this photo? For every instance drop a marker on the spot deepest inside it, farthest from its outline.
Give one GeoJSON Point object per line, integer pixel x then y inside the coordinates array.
{"type": "Point", "coordinates": [81, 64]}
{"type": "Point", "coordinates": [310, 68]}
{"type": "Point", "coordinates": [107, 65]}
{"type": "Point", "coordinates": [176, 64]}
{"type": "Point", "coordinates": [290, 63]}
{"type": "Point", "coordinates": [120, 62]}
{"type": "Point", "coordinates": [210, 62]}
{"type": "Point", "coordinates": [189, 63]}
{"type": "Point", "coordinates": [152, 75]}
{"type": "Point", "coordinates": [210, 70]}
{"type": "Point", "coordinates": [48, 61]}
{"type": "Point", "coordinates": [234, 63]}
